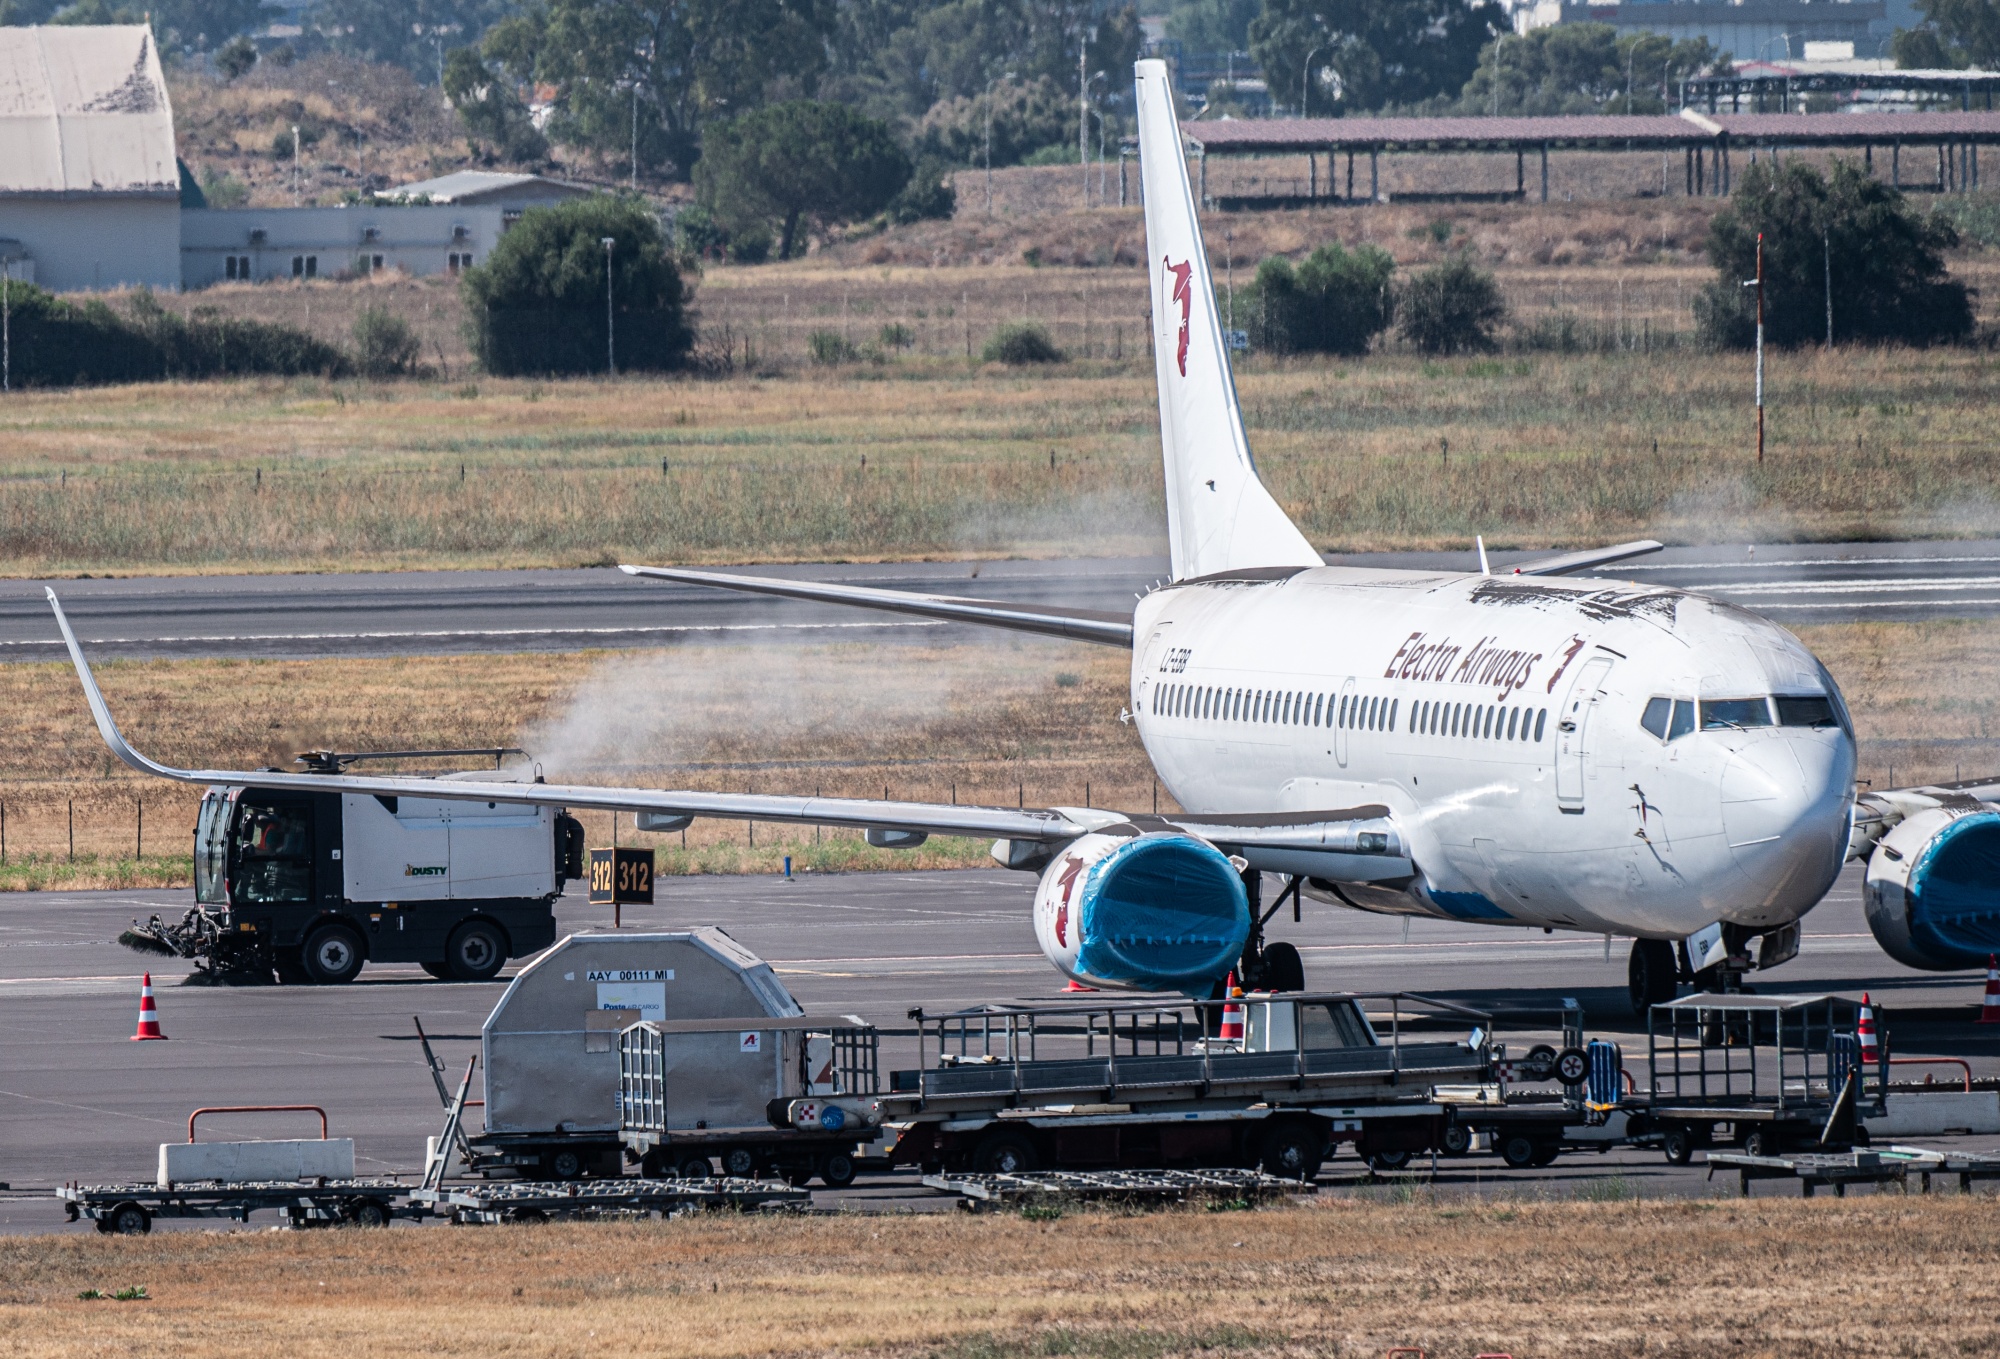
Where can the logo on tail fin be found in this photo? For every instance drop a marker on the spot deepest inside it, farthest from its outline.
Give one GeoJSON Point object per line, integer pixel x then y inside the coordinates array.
{"type": "Point", "coordinates": [1182, 295]}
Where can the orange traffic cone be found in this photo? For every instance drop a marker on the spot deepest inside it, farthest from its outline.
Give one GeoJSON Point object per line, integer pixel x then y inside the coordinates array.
{"type": "Point", "coordinates": [1870, 1053]}
{"type": "Point", "coordinates": [149, 1016]}
{"type": "Point", "coordinates": [1078, 986]}
{"type": "Point", "coordinates": [1233, 1011]}
{"type": "Point", "coordinates": [1989, 1012]}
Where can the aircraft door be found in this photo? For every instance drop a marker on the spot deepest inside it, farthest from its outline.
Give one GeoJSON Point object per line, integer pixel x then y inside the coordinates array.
{"type": "Point", "coordinates": [1573, 731]}
{"type": "Point", "coordinates": [1340, 723]}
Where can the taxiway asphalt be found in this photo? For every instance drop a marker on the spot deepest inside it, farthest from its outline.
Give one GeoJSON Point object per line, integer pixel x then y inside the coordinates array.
{"type": "Point", "coordinates": [438, 612]}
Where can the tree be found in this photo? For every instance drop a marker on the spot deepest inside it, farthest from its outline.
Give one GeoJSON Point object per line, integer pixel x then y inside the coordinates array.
{"type": "Point", "coordinates": [929, 194]}
{"type": "Point", "coordinates": [648, 74]}
{"type": "Point", "coordinates": [1211, 25]}
{"type": "Point", "coordinates": [1334, 302]}
{"type": "Point", "coordinates": [413, 34]}
{"type": "Point", "coordinates": [1367, 53]}
{"type": "Point", "coordinates": [536, 304]}
{"type": "Point", "coordinates": [490, 109]}
{"type": "Point", "coordinates": [1921, 49]}
{"type": "Point", "coordinates": [1026, 116]}
{"type": "Point", "coordinates": [1450, 307]}
{"type": "Point", "coordinates": [1886, 262]}
{"type": "Point", "coordinates": [1585, 68]}
{"type": "Point", "coordinates": [798, 161]}
{"type": "Point", "coordinates": [1969, 30]}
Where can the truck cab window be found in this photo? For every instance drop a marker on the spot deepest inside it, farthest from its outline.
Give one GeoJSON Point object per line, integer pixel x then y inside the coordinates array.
{"type": "Point", "coordinates": [273, 855]}
{"type": "Point", "coordinates": [211, 849]}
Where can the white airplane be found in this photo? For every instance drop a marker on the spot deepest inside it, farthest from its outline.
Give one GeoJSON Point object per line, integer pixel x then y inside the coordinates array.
{"type": "Point", "coordinates": [1512, 749]}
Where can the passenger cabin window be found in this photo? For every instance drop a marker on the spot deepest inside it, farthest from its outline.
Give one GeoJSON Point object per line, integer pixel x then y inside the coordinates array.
{"type": "Point", "coordinates": [1814, 710]}
{"type": "Point", "coordinates": [1726, 714]}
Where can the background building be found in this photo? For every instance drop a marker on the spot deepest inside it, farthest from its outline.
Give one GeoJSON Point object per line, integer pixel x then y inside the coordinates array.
{"type": "Point", "coordinates": [90, 192]}
{"type": "Point", "coordinates": [256, 244]}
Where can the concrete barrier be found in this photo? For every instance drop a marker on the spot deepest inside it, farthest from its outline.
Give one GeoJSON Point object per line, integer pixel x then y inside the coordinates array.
{"type": "Point", "coordinates": [1933, 1113]}
{"type": "Point", "coordinates": [306, 1159]}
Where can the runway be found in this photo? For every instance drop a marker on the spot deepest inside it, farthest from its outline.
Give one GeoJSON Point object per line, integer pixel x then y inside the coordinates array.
{"type": "Point", "coordinates": [442, 612]}
{"type": "Point", "coordinates": [81, 1101]}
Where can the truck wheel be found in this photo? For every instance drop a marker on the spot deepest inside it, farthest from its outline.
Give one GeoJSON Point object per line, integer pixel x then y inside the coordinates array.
{"type": "Point", "coordinates": [1519, 1150]}
{"type": "Point", "coordinates": [837, 1170]}
{"type": "Point", "coordinates": [1457, 1139]}
{"type": "Point", "coordinates": [290, 966]}
{"type": "Point", "coordinates": [566, 1163]}
{"type": "Point", "coordinates": [129, 1219]}
{"type": "Point", "coordinates": [1546, 1153]}
{"type": "Point", "coordinates": [1651, 977]}
{"type": "Point", "coordinates": [1292, 1151]}
{"type": "Point", "coordinates": [739, 1162]}
{"type": "Point", "coordinates": [696, 1168]}
{"type": "Point", "coordinates": [368, 1213]}
{"type": "Point", "coordinates": [1005, 1153]}
{"type": "Point", "coordinates": [1761, 1142]}
{"type": "Point", "coordinates": [1388, 1160]}
{"type": "Point", "coordinates": [438, 970]}
{"type": "Point", "coordinates": [475, 951]}
{"type": "Point", "coordinates": [1284, 970]}
{"type": "Point", "coordinates": [1678, 1145]}
{"type": "Point", "coordinates": [332, 955]}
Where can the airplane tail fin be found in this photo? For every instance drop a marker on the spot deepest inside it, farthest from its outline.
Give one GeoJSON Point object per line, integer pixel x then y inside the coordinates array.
{"type": "Point", "coordinates": [1219, 516]}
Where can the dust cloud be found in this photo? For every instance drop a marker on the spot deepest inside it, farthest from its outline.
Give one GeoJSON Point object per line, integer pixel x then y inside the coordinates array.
{"type": "Point", "coordinates": [739, 707]}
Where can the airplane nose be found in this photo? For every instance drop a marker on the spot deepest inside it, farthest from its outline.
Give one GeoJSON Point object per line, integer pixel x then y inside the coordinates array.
{"type": "Point", "coordinates": [1784, 811]}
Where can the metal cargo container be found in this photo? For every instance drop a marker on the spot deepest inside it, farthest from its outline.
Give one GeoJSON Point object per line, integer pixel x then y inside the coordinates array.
{"type": "Point", "coordinates": [550, 1047]}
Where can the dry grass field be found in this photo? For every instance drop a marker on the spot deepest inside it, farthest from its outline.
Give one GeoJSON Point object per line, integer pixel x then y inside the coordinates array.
{"type": "Point", "coordinates": [927, 458]}
{"type": "Point", "coordinates": [996, 723]}
{"type": "Point", "coordinates": [1865, 1276]}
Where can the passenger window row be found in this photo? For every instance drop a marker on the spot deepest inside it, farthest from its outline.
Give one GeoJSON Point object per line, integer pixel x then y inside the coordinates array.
{"type": "Point", "coordinates": [1480, 721]}
{"type": "Point", "coordinates": [1669, 719]}
{"type": "Point", "coordinates": [1357, 712]}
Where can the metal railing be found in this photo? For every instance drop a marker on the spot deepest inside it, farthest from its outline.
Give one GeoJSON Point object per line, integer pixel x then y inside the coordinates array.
{"type": "Point", "coordinates": [259, 1109]}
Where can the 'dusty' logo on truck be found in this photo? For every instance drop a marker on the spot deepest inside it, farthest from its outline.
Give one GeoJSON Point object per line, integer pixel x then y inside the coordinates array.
{"type": "Point", "coordinates": [429, 871]}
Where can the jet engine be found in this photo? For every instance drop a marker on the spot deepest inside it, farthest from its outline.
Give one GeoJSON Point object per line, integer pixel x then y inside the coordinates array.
{"type": "Point", "coordinates": [1157, 912]}
{"type": "Point", "coordinates": [1933, 888]}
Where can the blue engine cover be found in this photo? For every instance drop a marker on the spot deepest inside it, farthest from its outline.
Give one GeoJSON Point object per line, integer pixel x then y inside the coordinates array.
{"type": "Point", "coordinates": [1163, 913]}
{"type": "Point", "coordinates": [1954, 893]}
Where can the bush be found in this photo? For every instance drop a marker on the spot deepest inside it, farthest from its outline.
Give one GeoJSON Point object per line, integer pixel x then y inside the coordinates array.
{"type": "Point", "coordinates": [235, 57]}
{"type": "Point", "coordinates": [897, 336]}
{"type": "Point", "coordinates": [698, 233]}
{"type": "Point", "coordinates": [60, 344]}
{"type": "Point", "coordinates": [751, 245]}
{"type": "Point", "coordinates": [1886, 261]}
{"type": "Point", "coordinates": [1450, 307]}
{"type": "Point", "coordinates": [536, 303]}
{"type": "Point", "coordinates": [928, 196]}
{"type": "Point", "coordinates": [1335, 302]}
{"type": "Point", "coordinates": [384, 344]}
{"type": "Point", "coordinates": [1021, 343]}
{"type": "Point", "coordinates": [830, 346]}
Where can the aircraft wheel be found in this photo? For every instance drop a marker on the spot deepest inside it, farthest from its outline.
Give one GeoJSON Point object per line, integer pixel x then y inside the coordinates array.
{"type": "Point", "coordinates": [1284, 970]}
{"type": "Point", "coordinates": [1651, 977]}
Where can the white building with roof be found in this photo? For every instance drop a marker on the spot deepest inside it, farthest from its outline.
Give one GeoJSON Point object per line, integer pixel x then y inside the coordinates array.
{"type": "Point", "coordinates": [89, 187]}
{"type": "Point", "coordinates": [491, 188]}
{"type": "Point", "coordinates": [256, 245]}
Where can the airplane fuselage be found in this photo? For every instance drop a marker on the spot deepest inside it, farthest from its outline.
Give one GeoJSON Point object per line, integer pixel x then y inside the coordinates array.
{"type": "Point", "coordinates": [1602, 756]}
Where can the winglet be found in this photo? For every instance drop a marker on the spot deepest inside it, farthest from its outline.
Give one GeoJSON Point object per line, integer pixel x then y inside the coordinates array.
{"type": "Point", "coordinates": [106, 728]}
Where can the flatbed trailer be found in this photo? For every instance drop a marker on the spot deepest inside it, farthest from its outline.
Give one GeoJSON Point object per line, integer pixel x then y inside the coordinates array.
{"type": "Point", "coordinates": [1153, 1084]}
{"type": "Point", "coordinates": [129, 1209]}
{"type": "Point", "coordinates": [529, 1201]}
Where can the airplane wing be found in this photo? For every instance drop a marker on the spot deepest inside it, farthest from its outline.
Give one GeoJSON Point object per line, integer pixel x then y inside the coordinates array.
{"type": "Point", "coordinates": [1358, 844]}
{"type": "Point", "coordinates": [1082, 625]}
{"type": "Point", "coordinates": [1587, 560]}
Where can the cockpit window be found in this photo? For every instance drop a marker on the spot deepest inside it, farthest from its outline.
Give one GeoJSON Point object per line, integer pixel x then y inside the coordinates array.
{"type": "Point", "coordinates": [1724, 714]}
{"type": "Point", "coordinates": [1654, 719]}
{"type": "Point", "coordinates": [1683, 719]}
{"type": "Point", "coordinates": [1815, 710]}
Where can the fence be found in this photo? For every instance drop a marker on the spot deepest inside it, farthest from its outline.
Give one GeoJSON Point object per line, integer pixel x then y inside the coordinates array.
{"type": "Point", "coordinates": [36, 826]}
